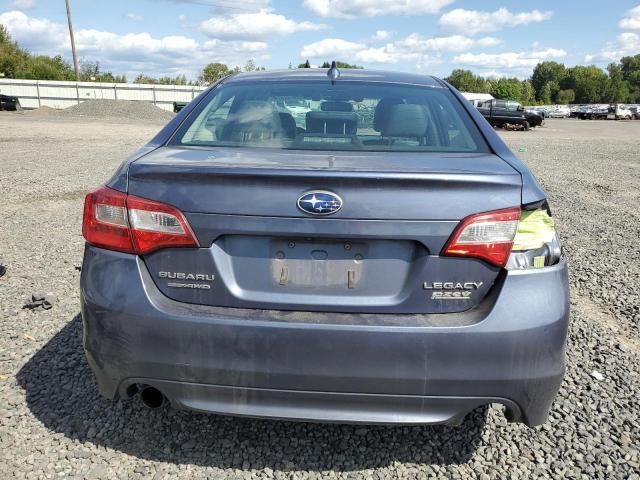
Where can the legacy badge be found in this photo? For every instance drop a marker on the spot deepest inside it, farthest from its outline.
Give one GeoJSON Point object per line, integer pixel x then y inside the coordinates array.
{"type": "Point", "coordinates": [451, 290]}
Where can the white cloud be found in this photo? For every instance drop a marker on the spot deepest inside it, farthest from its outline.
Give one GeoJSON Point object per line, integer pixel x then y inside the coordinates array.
{"type": "Point", "coordinates": [488, 42]}
{"type": "Point", "coordinates": [381, 35]}
{"type": "Point", "coordinates": [226, 5]}
{"type": "Point", "coordinates": [23, 4]}
{"type": "Point", "coordinates": [508, 60]}
{"type": "Point", "coordinates": [135, 17]}
{"type": "Point", "coordinates": [471, 22]}
{"type": "Point", "coordinates": [631, 20]}
{"type": "Point", "coordinates": [254, 25]}
{"type": "Point", "coordinates": [627, 43]}
{"type": "Point", "coordinates": [412, 48]}
{"type": "Point", "coordinates": [131, 53]}
{"type": "Point", "coordinates": [331, 47]}
{"type": "Point", "coordinates": [239, 46]}
{"type": "Point", "coordinates": [373, 8]}
{"type": "Point", "coordinates": [37, 34]}
{"type": "Point", "coordinates": [416, 42]}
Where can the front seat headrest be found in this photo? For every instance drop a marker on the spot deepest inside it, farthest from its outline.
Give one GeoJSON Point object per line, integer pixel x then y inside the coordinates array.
{"type": "Point", "coordinates": [405, 120]}
{"type": "Point", "coordinates": [380, 113]}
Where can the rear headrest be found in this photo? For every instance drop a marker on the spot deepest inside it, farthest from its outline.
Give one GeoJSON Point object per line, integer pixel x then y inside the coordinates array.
{"type": "Point", "coordinates": [381, 111]}
{"type": "Point", "coordinates": [341, 123]}
{"type": "Point", "coordinates": [405, 120]}
{"type": "Point", "coordinates": [336, 107]}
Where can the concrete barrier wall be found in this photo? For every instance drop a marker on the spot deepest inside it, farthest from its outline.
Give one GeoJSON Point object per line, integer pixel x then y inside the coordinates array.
{"type": "Point", "coordinates": [54, 94]}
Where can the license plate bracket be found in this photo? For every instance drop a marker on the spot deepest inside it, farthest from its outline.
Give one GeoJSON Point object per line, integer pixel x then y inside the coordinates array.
{"type": "Point", "coordinates": [317, 264]}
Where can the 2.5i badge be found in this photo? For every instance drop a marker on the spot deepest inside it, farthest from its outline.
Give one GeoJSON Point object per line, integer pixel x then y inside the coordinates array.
{"type": "Point", "coordinates": [451, 290]}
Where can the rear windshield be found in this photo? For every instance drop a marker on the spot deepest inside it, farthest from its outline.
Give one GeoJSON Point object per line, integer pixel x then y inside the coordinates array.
{"type": "Point", "coordinates": [321, 116]}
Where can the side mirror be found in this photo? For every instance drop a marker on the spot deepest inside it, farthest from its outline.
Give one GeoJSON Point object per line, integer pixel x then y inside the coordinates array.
{"type": "Point", "coordinates": [520, 108]}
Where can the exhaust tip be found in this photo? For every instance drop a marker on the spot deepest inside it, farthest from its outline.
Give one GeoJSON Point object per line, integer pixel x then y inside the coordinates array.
{"type": "Point", "coordinates": [151, 397]}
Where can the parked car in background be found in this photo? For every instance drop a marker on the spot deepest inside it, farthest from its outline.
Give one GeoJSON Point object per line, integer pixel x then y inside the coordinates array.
{"type": "Point", "coordinates": [616, 111]}
{"type": "Point", "coordinates": [509, 112]}
{"type": "Point", "coordinates": [296, 107]}
{"type": "Point", "coordinates": [9, 103]}
{"type": "Point", "coordinates": [575, 111]}
{"type": "Point", "coordinates": [542, 111]}
{"type": "Point", "coordinates": [398, 268]}
{"type": "Point", "coordinates": [587, 112]}
{"type": "Point", "coordinates": [619, 111]}
{"type": "Point", "coordinates": [560, 111]}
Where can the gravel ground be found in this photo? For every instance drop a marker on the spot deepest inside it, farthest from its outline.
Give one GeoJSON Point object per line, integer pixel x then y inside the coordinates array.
{"type": "Point", "coordinates": [100, 108]}
{"type": "Point", "coordinates": [53, 424]}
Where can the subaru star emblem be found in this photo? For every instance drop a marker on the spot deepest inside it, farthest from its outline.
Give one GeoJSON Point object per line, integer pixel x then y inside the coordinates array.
{"type": "Point", "coordinates": [319, 202]}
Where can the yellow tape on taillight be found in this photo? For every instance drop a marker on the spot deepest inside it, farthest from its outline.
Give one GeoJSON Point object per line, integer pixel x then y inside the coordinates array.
{"type": "Point", "coordinates": [536, 228]}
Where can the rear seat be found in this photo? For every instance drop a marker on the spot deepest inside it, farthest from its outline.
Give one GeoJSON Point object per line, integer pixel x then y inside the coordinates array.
{"type": "Point", "coordinates": [336, 118]}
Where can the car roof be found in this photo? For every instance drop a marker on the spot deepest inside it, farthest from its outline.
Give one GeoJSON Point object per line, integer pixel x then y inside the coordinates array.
{"type": "Point", "coordinates": [349, 74]}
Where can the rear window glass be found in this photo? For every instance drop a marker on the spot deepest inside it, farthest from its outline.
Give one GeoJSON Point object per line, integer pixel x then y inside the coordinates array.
{"type": "Point", "coordinates": [321, 116]}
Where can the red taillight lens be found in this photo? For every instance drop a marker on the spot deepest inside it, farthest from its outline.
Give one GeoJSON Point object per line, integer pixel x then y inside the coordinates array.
{"type": "Point", "coordinates": [488, 236]}
{"type": "Point", "coordinates": [104, 222]}
{"type": "Point", "coordinates": [117, 221]}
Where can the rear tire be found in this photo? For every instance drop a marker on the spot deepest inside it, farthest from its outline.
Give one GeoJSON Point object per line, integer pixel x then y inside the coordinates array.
{"type": "Point", "coordinates": [526, 126]}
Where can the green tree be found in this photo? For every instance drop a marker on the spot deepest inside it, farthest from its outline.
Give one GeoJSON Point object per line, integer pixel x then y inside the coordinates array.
{"type": "Point", "coordinates": [527, 94]}
{"type": "Point", "coordinates": [589, 83]}
{"type": "Point", "coordinates": [546, 72]}
{"type": "Point", "coordinates": [213, 72]}
{"type": "Point", "coordinates": [165, 80]}
{"type": "Point", "coordinates": [4, 35]}
{"type": "Point", "coordinates": [549, 92]}
{"type": "Point", "coordinates": [466, 81]}
{"type": "Point", "coordinates": [12, 57]}
{"type": "Point", "coordinates": [617, 90]}
{"type": "Point", "coordinates": [507, 88]}
{"type": "Point", "coordinates": [144, 79]}
{"type": "Point", "coordinates": [341, 64]}
{"type": "Point", "coordinates": [630, 67]}
{"type": "Point", "coordinates": [305, 64]}
{"type": "Point", "coordinates": [250, 66]}
{"type": "Point", "coordinates": [565, 97]}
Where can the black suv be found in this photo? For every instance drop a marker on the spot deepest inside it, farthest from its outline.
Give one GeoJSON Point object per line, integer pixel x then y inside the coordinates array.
{"type": "Point", "coordinates": [501, 112]}
{"type": "Point", "coordinates": [10, 104]}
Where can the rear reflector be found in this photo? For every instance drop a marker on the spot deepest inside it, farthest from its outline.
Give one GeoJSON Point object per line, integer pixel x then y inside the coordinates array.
{"type": "Point", "coordinates": [487, 236]}
{"type": "Point", "coordinates": [117, 221]}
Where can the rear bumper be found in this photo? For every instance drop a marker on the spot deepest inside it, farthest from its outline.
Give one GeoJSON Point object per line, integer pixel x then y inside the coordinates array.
{"type": "Point", "coordinates": [326, 367]}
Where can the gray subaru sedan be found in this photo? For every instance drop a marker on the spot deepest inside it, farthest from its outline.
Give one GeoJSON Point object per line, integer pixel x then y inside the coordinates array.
{"type": "Point", "coordinates": [355, 246]}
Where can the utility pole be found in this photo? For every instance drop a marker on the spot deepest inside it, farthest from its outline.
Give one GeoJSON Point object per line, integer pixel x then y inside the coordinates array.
{"type": "Point", "coordinates": [73, 43]}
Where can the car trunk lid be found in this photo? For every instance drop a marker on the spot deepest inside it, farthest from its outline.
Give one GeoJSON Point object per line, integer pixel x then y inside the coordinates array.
{"type": "Point", "coordinates": [379, 253]}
